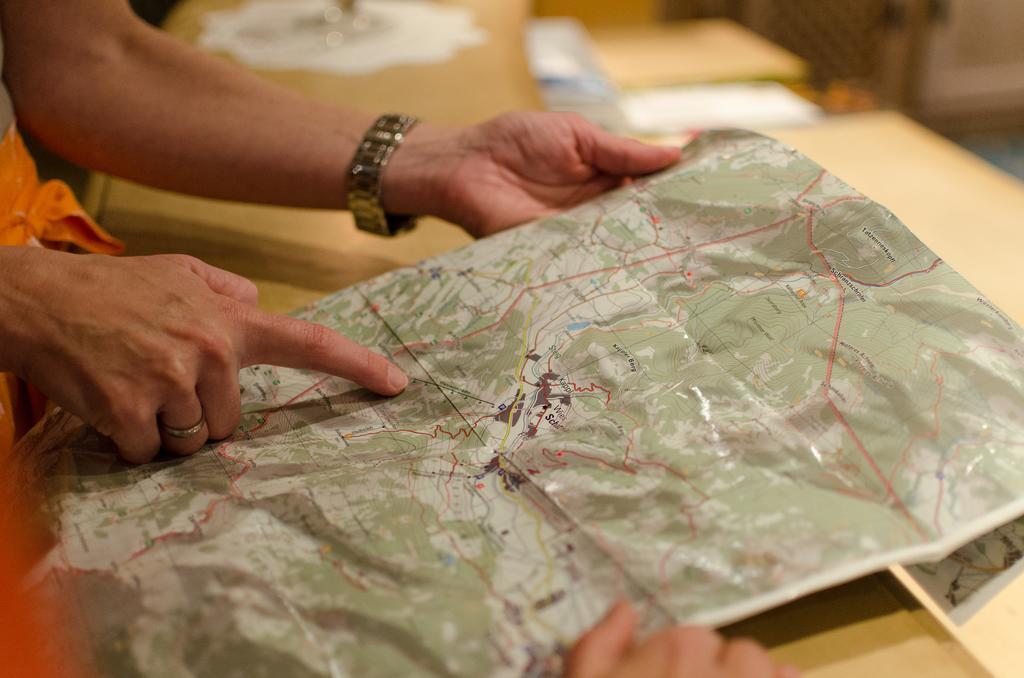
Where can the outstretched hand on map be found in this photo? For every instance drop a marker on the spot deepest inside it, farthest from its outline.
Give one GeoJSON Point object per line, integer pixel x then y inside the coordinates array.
{"type": "Point", "coordinates": [138, 344]}
{"type": "Point", "coordinates": [512, 169]}
{"type": "Point", "coordinates": [609, 650]}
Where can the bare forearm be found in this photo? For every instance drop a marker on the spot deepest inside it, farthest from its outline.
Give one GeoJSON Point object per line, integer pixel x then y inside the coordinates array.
{"type": "Point", "coordinates": [101, 88]}
{"type": "Point", "coordinates": [151, 109]}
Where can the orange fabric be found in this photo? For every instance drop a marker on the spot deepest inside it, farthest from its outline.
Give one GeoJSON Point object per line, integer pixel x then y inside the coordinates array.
{"type": "Point", "coordinates": [41, 215]}
{"type": "Point", "coordinates": [45, 214]}
{"type": "Point", "coordinates": [23, 652]}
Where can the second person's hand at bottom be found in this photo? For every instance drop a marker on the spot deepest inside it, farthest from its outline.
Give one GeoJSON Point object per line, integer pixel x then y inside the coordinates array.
{"type": "Point", "coordinates": [610, 650]}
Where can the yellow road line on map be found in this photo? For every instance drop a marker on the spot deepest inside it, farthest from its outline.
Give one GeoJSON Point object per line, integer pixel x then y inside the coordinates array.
{"type": "Point", "coordinates": [538, 518]}
{"type": "Point", "coordinates": [519, 368]}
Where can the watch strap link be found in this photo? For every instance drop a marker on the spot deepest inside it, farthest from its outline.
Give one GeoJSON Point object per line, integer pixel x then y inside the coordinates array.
{"type": "Point", "coordinates": [364, 181]}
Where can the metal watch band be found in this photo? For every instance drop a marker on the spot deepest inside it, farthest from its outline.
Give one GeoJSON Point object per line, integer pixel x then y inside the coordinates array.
{"type": "Point", "coordinates": [364, 176]}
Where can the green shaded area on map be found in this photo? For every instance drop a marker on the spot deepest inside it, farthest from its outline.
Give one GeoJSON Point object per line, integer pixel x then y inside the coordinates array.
{"type": "Point", "coordinates": [711, 391]}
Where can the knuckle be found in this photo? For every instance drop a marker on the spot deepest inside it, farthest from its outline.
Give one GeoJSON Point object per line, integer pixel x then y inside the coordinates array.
{"type": "Point", "coordinates": [184, 260]}
{"type": "Point", "coordinates": [125, 417]}
{"type": "Point", "coordinates": [233, 312]}
{"type": "Point", "coordinates": [130, 427]}
{"type": "Point", "coordinates": [216, 349]}
{"type": "Point", "coordinates": [117, 406]}
{"type": "Point", "coordinates": [174, 378]}
{"type": "Point", "coordinates": [248, 288]}
{"type": "Point", "coordinates": [109, 396]}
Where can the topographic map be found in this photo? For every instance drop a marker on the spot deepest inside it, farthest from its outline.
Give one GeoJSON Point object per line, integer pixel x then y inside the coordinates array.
{"type": "Point", "coordinates": [963, 582]}
{"type": "Point", "coordinates": [710, 391]}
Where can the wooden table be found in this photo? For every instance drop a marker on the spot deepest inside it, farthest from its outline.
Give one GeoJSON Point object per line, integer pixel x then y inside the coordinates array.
{"type": "Point", "coordinates": [687, 52]}
{"type": "Point", "coordinates": [969, 213]}
{"type": "Point", "coordinates": [296, 256]}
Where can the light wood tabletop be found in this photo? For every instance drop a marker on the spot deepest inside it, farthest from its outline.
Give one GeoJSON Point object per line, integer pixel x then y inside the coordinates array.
{"type": "Point", "coordinates": [969, 213]}
{"type": "Point", "coordinates": [687, 52]}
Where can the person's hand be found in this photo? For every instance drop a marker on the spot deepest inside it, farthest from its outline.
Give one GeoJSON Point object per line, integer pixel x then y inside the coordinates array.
{"type": "Point", "coordinates": [511, 169]}
{"type": "Point", "coordinates": [609, 651]}
{"type": "Point", "coordinates": [134, 344]}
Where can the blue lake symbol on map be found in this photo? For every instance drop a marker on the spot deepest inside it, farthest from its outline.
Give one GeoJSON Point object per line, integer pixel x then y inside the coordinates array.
{"type": "Point", "coordinates": [579, 325]}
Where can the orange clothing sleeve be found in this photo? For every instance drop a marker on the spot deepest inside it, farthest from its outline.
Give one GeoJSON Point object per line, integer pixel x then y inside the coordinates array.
{"type": "Point", "coordinates": [40, 214]}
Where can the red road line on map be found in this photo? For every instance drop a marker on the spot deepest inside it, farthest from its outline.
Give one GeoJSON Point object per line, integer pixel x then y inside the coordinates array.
{"type": "Point", "coordinates": [900, 506]}
{"type": "Point", "coordinates": [624, 468]}
{"type": "Point", "coordinates": [593, 388]}
{"type": "Point", "coordinates": [935, 407]}
{"type": "Point", "coordinates": [207, 515]}
{"type": "Point", "coordinates": [845, 198]}
{"type": "Point", "coordinates": [931, 268]}
{"type": "Point", "coordinates": [515, 302]}
{"type": "Point", "coordinates": [277, 410]}
{"type": "Point", "coordinates": [447, 487]}
{"type": "Point", "coordinates": [827, 385]}
{"type": "Point", "coordinates": [246, 466]}
{"type": "Point", "coordinates": [810, 186]}
{"type": "Point", "coordinates": [865, 496]}
{"type": "Point", "coordinates": [664, 584]}
{"type": "Point", "coordinates": [679, 474]}
{"type": "Point", "coordinates": [842, 301]}
{"type": "Point", "coordinates": [438, 429]}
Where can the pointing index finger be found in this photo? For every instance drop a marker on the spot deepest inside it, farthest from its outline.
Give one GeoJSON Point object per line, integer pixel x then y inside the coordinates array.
{"type": "Point", "coordinates": [289, 342]}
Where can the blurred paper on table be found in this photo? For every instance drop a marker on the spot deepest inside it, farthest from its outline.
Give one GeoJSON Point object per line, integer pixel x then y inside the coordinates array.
{"type": "Point", "coordinates": [672, 110]}
{"type": "Point", "coordinates": [567, 71]}
{"type": "Point", "coordinates": [317, 35]}
{"type": "Point", "coordinates": [966, 580]}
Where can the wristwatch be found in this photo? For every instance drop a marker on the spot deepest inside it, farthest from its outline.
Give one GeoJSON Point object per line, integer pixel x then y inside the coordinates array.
{"type": "Point", "coordinates": [364, 175]}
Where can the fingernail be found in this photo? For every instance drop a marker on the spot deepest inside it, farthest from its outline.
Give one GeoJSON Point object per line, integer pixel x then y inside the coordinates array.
{"type": "Point", "coordinates": [397, 379]}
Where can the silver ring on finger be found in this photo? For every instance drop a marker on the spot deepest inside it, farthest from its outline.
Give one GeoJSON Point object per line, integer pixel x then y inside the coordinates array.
{"type": "Point", "coordinates": [188, 432]}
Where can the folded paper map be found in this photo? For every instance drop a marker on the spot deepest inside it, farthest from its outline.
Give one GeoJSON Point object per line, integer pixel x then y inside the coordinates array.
{"type": "Point", "coordinates": [711, 391]}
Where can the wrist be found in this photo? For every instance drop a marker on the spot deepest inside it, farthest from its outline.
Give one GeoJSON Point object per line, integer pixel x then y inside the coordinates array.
{"type": "Point", "coordinates": [414, 180]}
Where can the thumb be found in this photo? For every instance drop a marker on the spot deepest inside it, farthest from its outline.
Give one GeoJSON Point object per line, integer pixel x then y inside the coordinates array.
{"type": "Point", "coordinates": [217, 279]}
{"type": "Point", "coordinates": [289, 342]}
{"type": "Point", "coordinates": [620, 156]}
{"type": "Point", "coordinates": [600, 649]}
